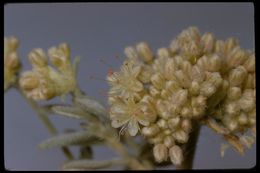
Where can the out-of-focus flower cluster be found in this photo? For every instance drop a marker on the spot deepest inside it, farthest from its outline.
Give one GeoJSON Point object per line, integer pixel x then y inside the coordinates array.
{"type": "Point", "coordinates": [198, 78]}
{"type": "Point", "coordinates": [44, 82]}
{"type": "Point", "coordinates": [11, 61]}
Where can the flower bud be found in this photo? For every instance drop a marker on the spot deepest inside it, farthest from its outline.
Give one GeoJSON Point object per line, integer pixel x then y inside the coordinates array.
{"type": "Point", "coordinates": [234, 93]}
{"type": "Point", "coordinates": [186, 67]}
{"type": "Point", "coordinates": [12, 62]}
{"type": "Point", "coordinates": [242, 118]}
{"type": "Point", "coordinates": [168, 141]}
{"type": "Point", "coordinates": [156, 140]}
{"type": "Point", "coordinates": [38, 58]}
{"type": "Point", "coordinates": [197, 74]}
{"type": "Point", "coordinates": [207, 89]}
{"type": "Point", "coordinates": [186, 125]}
{"type": "Point", "coordinates": [173, 122]}
{"type": "Point", "coordinates": [170, 68]}
{"type": "Point", "coordinates": [172, 86]}
{"type": "Point", "coordinates": [183, 78]}
{"type": "Point", "coordinates": [181, 136]}
{"type": "Point", "coordinates": [151, 130]}
{"type": "Point", "coordinates": [154, 92]}
{"type": "Point", "coordinates": [144, 51]}
{"type": "Point", "coordinates": [162, 124]}
{"type": "Point", "coordinates": [158, 80]}
{"type": "Point", "coordinates": [219, 46]}
{"type": "Point", "coordinates": [230, 44]}
{"type": "Point", "coordinates": [174, 47]}
{"type": "Point", "coordinates": [194, 88]}
{"type": "Point", "coordinates": [165, 94]}
{"type": "Point", "coordinates": [180, 97]}
{"type": "Point", "coordinates": [65, 49]}
{"type": "Point", "coordinates": [232, 108]}
{"type": "Point", "coordinates": [249, 82]}
{"type": "Point", "coordinates": [176, 155]}
{"type": "Point", "coordinates": [250, 64]}
{"type": "Point", "coordinates": [163, 52]}
{"type": "Point", "coordinates": [214, 63]}
{"type": "Point", "coordinates": [186, 111]}
{"type": "Point", "coordinates": [160, 153]}
{"type": "Point", "coordinates": [131, 53]}
{"type": "Point", "coordinates": [247, 104]}
{"type": "Point", "coordinates": [236, 57]}
{"type": "Point", "coordinates": [207, 41]}
{"type": "Point", "coordinates": [232, 125]}
{"type": "Point", "coordinates": [28, 81]}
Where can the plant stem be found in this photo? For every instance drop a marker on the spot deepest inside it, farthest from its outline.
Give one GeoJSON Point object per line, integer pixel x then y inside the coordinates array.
{"type": "Point", "coordinates": [45, 120]}
{"type": "Point", "coordinates": [134, 164]}
{"type": "Point", "coordinates": [189, 148]}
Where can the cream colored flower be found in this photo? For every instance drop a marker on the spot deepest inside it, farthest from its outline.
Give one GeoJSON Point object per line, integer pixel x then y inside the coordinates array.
{"type": "Point", "coordinates": [125, 83]}
{"type": "Point", "coordinates": [130, 114]}
{"type": "Point", "coordinates": [198, 78]}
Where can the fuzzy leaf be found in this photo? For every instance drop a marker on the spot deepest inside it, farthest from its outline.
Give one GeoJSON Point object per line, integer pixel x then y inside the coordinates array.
{"type": "Point", "coordinates": [72, 112]}
{"type": "Point", "coordinates": [77, 138]}
{"type": "Point", "coordinates": [92, 106]}
{"type": "Point", "coordinates": [90, 164]}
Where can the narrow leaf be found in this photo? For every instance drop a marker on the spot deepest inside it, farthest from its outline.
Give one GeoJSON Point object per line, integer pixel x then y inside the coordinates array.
{"type": "Point", "coordinates": [92, 106]}
{"type": "Point", "coordinates": [76, 138]}
{"type": "Point", "coordinates": [72, 112]}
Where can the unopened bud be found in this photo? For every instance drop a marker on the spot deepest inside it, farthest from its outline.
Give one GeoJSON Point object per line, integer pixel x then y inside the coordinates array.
{"type": "Point", "coordinates": [194, 88]}
{"type": "Point", "coordinates": [168, 141]}
{"type": "Point", "coordinates": [38, 58]}
{"type": "Point", "coordinates": [250, 64]}
{"type": "Point", "coordinates": [234, 93]}
{"type": "Point", "coordinates": [176, 155]}
{"type": "Point", "coordinates": [151, 130]}
{"type": "Point", "coordinates": [163, 52]}
{"type": "Point", "coordinates": [174, 122]}
{"type": "Point", "coordinates": [162, 123]}
{"type": "Point", "coordinates": [160, 153]}
{"type": "Point", "coordinates": [131, 53]}
{"type": "Point", "coordinates": [144, 51]}
{"type": "Point", "coordinates": [183, 78]}
{"type": "Point", "coordinates": [158, 80]}
{"type": "Point", "coordinates": [207, 89]}
{"type": "Point", "coordinates": [207, 41]}
{"type": "Point", "coordinates": [181, 136]}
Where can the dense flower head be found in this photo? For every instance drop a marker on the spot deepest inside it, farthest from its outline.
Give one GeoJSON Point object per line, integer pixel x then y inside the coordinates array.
{"type": "Point", "coordinates": [197, 79]}
{"type": "Point", "coordinates": [11, 61]}
{"type": "Point", "coordinates": [44, 82]}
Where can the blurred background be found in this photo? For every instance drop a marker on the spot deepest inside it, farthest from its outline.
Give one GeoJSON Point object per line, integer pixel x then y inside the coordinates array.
{"type": "Point", "coordinates": [98, 31]}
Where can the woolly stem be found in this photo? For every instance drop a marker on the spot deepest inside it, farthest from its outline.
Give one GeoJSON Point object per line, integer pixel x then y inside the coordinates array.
{"type": "Point", "coordinates": [189, 148]}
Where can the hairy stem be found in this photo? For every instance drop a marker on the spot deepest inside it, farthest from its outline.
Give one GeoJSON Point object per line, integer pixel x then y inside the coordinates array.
{"type": "Point", "coordinates": [45, 120]}
{"type": "Point", "coordinates": [189, 148]}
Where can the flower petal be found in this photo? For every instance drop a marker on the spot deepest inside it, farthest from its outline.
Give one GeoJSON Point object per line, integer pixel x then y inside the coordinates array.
{"type": "Point", "coordinates": [117, 122]}
{"type": "Point", "coordinates": [133, 127]}
{"type": "Point", "coordinates": [142, 119]}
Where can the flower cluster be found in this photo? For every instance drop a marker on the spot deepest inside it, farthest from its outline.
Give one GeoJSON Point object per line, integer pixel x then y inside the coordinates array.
{"type": "Point", "coordinates": [44, 82]}
{"type": "Point", "coordinates": [11, 61]}
{"type": "Point", "coordinates": [197, 78]}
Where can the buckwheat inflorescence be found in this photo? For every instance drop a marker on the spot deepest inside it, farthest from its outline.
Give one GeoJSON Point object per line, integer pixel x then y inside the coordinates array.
{"type": "Point", "coordinates": [44, 82]}
{"type": "Point", "coordinates": [198, 78]}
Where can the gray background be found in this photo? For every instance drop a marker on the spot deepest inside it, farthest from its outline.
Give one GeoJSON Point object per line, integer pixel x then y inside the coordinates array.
{"type": "Point", "coordinates": [102, 30]}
